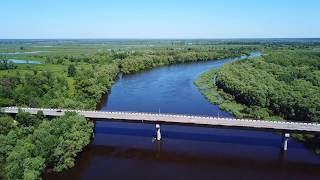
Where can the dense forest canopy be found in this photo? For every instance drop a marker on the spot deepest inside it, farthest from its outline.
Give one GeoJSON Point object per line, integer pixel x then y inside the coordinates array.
{"type": "Point", "coordinates": [47, 89]}
{"type": "Point", "coordinates": [30, 143]}
{"type": "Point", "coordinates": [287, 83]}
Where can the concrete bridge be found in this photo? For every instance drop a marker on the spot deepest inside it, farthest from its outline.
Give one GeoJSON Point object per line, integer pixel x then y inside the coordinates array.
{"type": "Point", "coordinates": [138, 117]}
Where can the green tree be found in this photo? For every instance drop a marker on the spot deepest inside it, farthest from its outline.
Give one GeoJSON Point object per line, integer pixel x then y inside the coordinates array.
{"type": "Point", "coordinates": [25, 118]}
{"type": "Point", "coordinates": [72, 70]}
{"type": "Point", "coordinates": [6, 125]}
{"type": "Point", "coordinates": [15, 161]}
{"type": "Point", "coordinates": [33, 168]}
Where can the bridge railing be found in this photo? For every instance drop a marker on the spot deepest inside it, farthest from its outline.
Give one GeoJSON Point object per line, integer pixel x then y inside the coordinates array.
{"type": "Point", "coordinates": [167, 114]}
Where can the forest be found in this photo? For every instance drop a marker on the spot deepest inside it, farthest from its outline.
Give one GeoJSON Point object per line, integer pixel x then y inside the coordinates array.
{"type": "Point", "coordinates": [279, 85]}
{"type": "Point", "coordinates": [81, 88]}
{"type": "Point", "coordinates": [31, 143]}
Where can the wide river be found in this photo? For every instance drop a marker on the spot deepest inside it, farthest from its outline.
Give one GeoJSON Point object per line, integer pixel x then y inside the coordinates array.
{"type": "Point", "coordinates": [127, 151]}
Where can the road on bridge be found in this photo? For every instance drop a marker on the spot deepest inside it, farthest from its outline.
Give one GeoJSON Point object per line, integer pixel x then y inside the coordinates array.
{"type": "Point", "coordinates": [178, 119]}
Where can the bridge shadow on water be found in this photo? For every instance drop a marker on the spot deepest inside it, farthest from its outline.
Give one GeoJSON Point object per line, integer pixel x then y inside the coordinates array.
{"type": "Point", "coordinates": [125, 150]}
{"type": "Point", "coordinates": [189, 136]}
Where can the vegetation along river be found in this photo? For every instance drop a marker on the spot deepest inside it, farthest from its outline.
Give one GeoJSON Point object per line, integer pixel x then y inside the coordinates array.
{"type": "Point", "coordinates": [122, 150]}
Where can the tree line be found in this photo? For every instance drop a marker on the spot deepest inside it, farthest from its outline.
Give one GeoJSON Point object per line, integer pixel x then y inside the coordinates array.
{"type": "Point", "coordinates": [282, 83]}
{"type": "Point", "coordinates": [132, 64]}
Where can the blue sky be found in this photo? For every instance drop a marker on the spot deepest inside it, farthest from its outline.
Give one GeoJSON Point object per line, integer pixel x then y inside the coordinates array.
{"type": "Point", "coordinates": [159, 18]}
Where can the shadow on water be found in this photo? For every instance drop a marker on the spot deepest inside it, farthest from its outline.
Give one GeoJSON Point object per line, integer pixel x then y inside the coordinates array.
{"type": "Point", "coordinates": [188, 136]}
{"type": "Point", "coordinates": [122, 150]}
{"type": "Point", "coordinates": [206, 153]}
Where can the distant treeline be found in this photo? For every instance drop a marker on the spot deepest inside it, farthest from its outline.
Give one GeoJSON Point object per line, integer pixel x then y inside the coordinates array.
{"type": "Point", "coordinates": [138, 63]}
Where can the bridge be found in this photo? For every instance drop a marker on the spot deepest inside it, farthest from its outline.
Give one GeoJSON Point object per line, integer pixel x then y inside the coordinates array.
{"type": "Point", "coordinates": [157, 118]}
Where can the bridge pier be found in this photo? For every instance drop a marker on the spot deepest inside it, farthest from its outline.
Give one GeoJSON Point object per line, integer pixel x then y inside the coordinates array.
{"type": "Point", "coordinates": [285, 141]}
{"type": "Point", "coordinates": [158, 132]}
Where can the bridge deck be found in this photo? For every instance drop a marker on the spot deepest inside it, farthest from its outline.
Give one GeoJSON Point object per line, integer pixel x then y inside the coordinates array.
{"type": "Point", "coordinates": [178, 119]}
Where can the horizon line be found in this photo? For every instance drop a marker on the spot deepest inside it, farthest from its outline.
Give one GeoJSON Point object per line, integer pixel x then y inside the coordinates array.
{"type": "Point", "coordinates": [229, 38]}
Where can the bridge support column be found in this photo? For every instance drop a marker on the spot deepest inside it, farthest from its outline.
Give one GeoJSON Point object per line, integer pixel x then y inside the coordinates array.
{"type": "Point", "coordinates": [285, 141]}
{"type": "Point", "coordinates": [158, 132]}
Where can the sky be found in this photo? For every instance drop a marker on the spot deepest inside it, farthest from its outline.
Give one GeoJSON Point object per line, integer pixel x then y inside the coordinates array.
{"type": "Point", "coordinates": [46, 19]}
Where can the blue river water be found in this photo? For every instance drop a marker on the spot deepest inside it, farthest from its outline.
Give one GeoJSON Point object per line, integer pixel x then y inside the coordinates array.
{"type": "Point", "coordinates": [19, 53]}
{"type": "Point", "coordinates": [127, 151]}
{"type": "Point", "coordinates": [20, 61]}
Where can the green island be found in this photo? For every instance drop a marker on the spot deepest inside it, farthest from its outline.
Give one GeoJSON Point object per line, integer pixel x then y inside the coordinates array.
{"type": "Point", "coordinates": [75, 74]}
{"type": "Point", "coordinates": [282, 84]}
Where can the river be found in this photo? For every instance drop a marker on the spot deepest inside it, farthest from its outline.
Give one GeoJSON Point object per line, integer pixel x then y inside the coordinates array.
{"type": "Point", "coordinates": [20, 61]}
{"type": "Point", "coordinates": [127, 151]}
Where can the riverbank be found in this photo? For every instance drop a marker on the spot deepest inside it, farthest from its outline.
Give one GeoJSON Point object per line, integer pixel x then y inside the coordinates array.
{"type": "Point", "coordinates": [214, 91]}
{"type": "Point", "coordinates": [285, 84]}
{"type": "Point", "coordinates": [208, 88]}
{"type": "Point", "coordinates": [133, 65]}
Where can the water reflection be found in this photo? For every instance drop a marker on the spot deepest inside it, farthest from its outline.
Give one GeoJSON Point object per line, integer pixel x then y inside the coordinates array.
{"type": "Point", "coordinates": [122, 150]}
{"type": "Point", "coordinates": [20, 53]}
{"type": "Point", "coordinates": [20, 61]}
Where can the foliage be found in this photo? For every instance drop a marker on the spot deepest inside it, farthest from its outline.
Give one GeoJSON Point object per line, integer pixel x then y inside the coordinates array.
{"type": "Point", "coordinates": [91, 83]}
{"type": "Point", "coordinates": [6, 125]}
{"type": "Point", "coordinates": [45, 89]}
{"type": "Point", "coordinates": [5, 64]}
{"type": "Point", "coordinates": [55, 143]}
{"type": "Point", "coordinates": [281, 83]}
{"type": "Point", "coordinates": [72, 70]}
{"type": "Point", "coordinates": [25, 119]}
{"type": "Point", "coordinates": [133, 64]}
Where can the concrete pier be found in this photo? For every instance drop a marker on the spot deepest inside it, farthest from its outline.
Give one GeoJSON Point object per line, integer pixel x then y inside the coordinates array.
{"type": "Point", "coordinates": [285, 141]}
{"type": "Point", "coordinates": [158, 132]}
